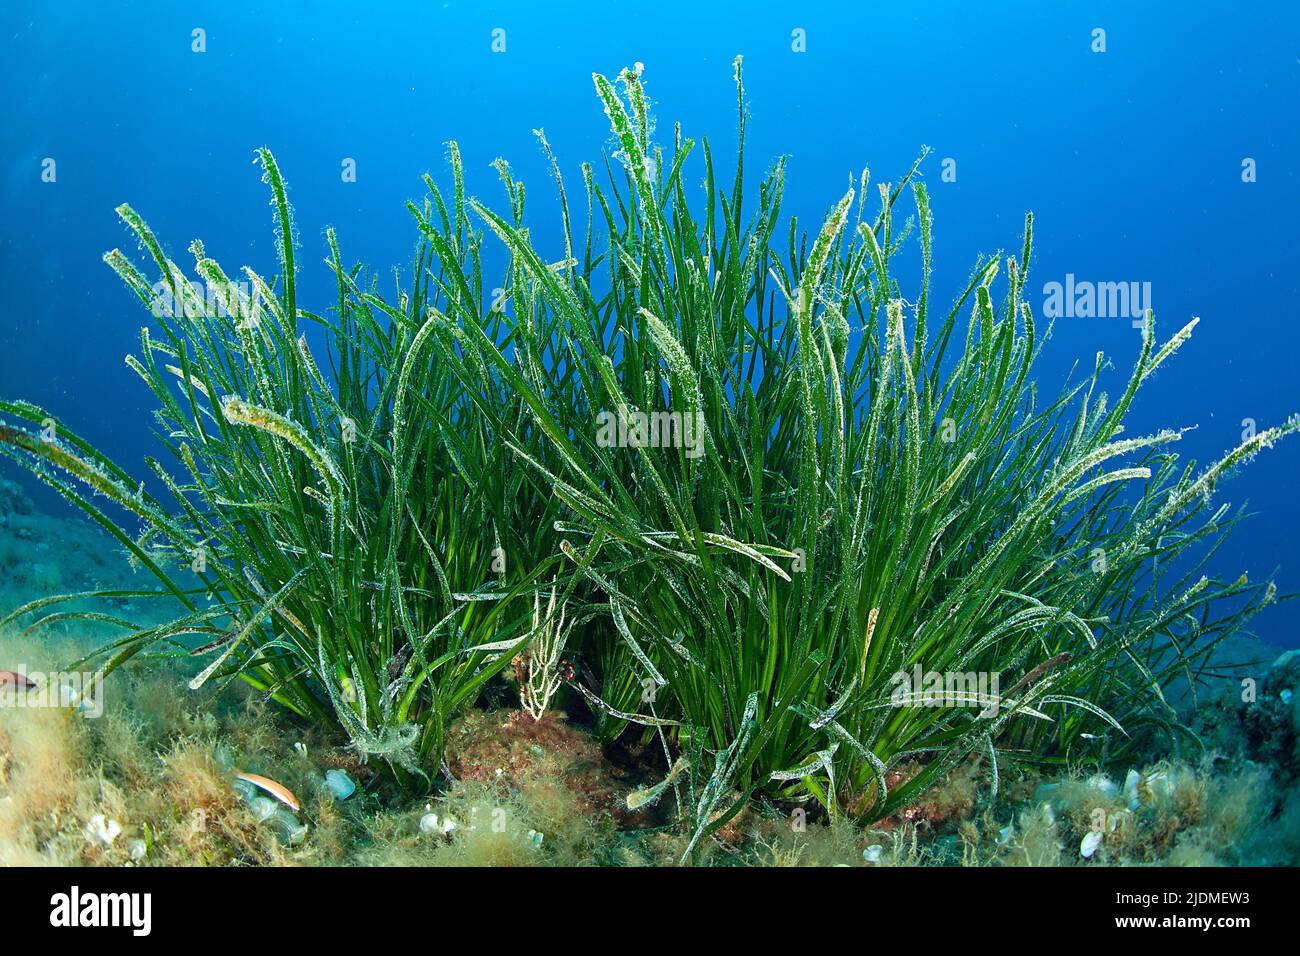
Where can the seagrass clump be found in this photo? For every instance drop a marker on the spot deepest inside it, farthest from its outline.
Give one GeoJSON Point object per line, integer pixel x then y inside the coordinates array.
{"type": "Point", "coordinates": [821, 492]}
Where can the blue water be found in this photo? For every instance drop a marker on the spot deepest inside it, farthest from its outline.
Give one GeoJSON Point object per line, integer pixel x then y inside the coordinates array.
{"type": "Point", "coordinates": [1131, 160]}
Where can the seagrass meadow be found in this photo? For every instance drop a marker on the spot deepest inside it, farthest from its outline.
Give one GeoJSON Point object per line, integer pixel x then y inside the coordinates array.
{"type": "Point", "coordinates": [849, 583]}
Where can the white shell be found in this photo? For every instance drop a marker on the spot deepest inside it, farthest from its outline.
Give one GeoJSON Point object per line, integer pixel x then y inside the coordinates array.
{"type": "Point", "coordinates": [1161, 783]}
{"type": "Point", "coordinates": [1131, 789]}
{"type": "Point", "coordinates": [873, 853]}
{"type": "Point", "coordinates": [1104, 785]}
{"type": "Point", "coordinates": [1091, 841]}
{"type": "Point", "coordinates": [430, 823]}
{"type": "Point", "coordinates": [104, 829]}
{"type": "Point", "coordinates": [288, 829]}
{"type": "Point", "coordinates": [263, 808]}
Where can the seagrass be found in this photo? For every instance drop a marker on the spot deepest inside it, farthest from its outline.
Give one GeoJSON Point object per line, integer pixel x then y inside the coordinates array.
{"type": "Point", "coordinates": [371, 541]}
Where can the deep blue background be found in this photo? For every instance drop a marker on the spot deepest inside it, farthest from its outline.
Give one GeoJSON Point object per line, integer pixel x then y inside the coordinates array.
{"type": "Point", "coordinates": [1130, 159]}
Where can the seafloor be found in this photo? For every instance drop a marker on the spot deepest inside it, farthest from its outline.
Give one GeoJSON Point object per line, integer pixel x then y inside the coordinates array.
{"type": "Point", "coordinates": [152, 781]}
